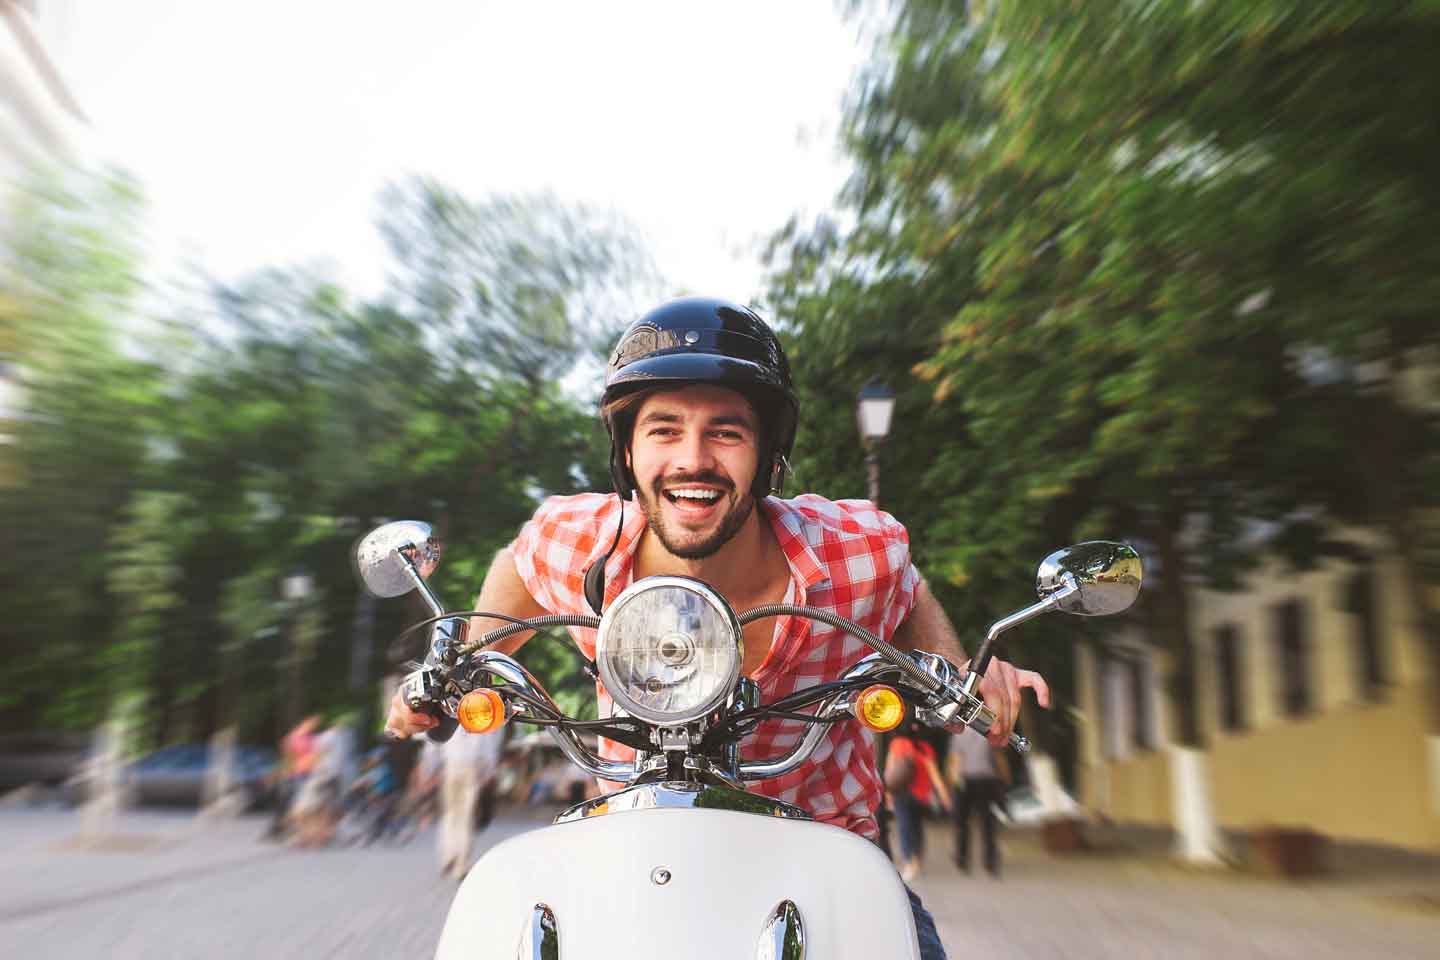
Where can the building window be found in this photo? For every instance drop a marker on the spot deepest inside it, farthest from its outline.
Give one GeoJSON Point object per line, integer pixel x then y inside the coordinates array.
{"type": "Point", "coordinates": [1138, 676]}
{"type": "Point", "coordinates": [1363, 602]}
{"type": "Point", "coordinates": [1229, 670]}
{"type": "Point", "coordinates": [1294, 658]}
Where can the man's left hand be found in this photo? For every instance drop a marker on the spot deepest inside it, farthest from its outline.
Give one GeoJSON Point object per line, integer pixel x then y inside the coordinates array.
{"type": "Point", "coordinates": [1000, 689]}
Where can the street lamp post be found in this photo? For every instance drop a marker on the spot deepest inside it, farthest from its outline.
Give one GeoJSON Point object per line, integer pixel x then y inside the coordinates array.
{"type": "Point", "coordinates": [873, 410]}
{"type": "Point", "coordinates": [295, 588]}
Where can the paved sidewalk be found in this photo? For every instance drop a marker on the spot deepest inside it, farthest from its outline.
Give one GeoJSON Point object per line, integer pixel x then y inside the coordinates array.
{"type": "Point", "coordinates": [176, 885]}
{"type": "Point", "coordinates": [1140, 904]}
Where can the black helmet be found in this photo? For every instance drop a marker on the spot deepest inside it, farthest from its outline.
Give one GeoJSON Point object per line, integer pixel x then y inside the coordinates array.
{"type": "Point", "coordinates": [701, 340]}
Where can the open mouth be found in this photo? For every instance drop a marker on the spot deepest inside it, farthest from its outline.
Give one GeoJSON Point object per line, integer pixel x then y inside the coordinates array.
{"type": "Point", "coordinates": [695, 501]}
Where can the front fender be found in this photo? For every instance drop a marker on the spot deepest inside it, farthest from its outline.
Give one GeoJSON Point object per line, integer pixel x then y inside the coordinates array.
{"type": "Point", "coordinates": [727, 874]}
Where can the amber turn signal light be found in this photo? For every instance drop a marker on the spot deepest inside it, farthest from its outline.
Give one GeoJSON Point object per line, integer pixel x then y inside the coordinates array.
{"type": "Point", "coordinates": [481, 711]}
{"type": "Point", "coordinates": [879, 708]}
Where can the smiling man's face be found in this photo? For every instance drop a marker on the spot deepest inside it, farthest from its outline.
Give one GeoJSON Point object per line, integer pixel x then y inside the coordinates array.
{"type": "Point", "coordinates": [694, 452]}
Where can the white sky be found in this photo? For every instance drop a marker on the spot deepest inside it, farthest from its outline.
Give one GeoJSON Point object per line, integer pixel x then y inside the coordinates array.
{"type": "Point", "coordinates": [262, 130]}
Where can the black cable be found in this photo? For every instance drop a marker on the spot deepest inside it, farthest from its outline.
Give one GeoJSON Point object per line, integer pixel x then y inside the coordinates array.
{"type": "Point", "coordinates": [534, 623]}
{"type": "Point", "coordinates": [906, 665]}
{"type": "Point", "coordinates": [466, 614]}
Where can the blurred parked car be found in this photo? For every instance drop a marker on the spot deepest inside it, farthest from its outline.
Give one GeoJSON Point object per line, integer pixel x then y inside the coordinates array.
{"type": "Point", "coordinates": [44, 758]}
{"type": "Point", "coordinates": [175, 777]}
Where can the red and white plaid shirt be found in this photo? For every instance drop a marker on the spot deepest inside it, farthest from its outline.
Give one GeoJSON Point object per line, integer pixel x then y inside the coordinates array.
{"type": "Point", "coordinates": [845, 556]}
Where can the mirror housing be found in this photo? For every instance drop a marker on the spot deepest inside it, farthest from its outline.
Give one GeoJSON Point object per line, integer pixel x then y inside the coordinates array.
{"type": "Point", "coordinates": [378, 557]}
{"type": "Point", "coordinates": [1107, 577]}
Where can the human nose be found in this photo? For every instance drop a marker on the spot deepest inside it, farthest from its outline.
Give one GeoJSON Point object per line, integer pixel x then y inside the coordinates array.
{"type": "Point", "coordinates": [692, 455]}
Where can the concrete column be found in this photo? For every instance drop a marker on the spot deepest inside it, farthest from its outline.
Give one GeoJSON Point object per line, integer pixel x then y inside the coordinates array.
{"type": "Point", "coordinates": [1331, 640]}
{"type": "Point", "coordinates": [1045, 781]}
{"type": "Point", "coordinates": [221, 797]}
{"type": "Point", "coordinates": [1432, 749]}
{"type": "Point", "coordinates": [1261, 675]}
{"type": "Point", "coordinates": [1197, 836]}
{"type": "Point", "coordinates": [1092, 771]}
{"type": "Point", "coordinates": [104, 779]}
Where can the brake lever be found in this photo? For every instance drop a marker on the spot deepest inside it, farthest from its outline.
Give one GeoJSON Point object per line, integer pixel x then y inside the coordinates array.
{"type": "Point", "coordinates": [966, 708]}
{"type": "Point", "coordinates": [424, 692]}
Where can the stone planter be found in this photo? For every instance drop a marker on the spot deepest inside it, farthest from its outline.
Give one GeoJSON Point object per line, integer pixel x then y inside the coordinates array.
{"type": "Point", "coordinates": [1063, 834]}
{"type": "Point", "coordinates": [1289, 851]}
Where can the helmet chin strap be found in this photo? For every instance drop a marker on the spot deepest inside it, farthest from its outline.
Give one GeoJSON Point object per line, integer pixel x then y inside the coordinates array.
{"type": "Point", "coordinates": [595, 576]}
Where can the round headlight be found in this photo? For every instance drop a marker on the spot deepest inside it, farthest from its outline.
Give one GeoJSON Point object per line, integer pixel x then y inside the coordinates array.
{"type": "Point", "coordinates": [668, 650]}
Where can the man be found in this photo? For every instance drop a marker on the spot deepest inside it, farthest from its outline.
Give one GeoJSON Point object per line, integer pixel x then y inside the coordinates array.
{"type": "Point", "coordinates": [702, 413]}
{"type": "Point", "coordinates": [980, 773]}
{"type": "Point", "coordinates": [297, 756]}
{"type": "Point", "coordinates": [466, 766]}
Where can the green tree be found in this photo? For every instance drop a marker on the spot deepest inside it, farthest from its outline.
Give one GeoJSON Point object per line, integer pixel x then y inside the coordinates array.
{"type": "Point", "coordinates": [524, 286]}
{"type": "Point", "coordinates": [68, 282]}
{"type": "Point", "coordinates": [1126, 226]}
{"type": "Point", "coordinates": [155, 516]}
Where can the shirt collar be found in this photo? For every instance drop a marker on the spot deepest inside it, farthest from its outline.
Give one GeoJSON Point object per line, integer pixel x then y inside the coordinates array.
{"type": "Point", "coordinates": [789, 526]}
{"type": "Point", "coordinates": [786, 522]}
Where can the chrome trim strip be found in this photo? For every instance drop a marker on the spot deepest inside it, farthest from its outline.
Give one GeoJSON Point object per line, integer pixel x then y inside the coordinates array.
{"type": "Point", "coordinates": [675, 794]}
{"type": "Point", "coordinates": [540, 937]}
{"type": "Point", "coordinates": [783, 936]}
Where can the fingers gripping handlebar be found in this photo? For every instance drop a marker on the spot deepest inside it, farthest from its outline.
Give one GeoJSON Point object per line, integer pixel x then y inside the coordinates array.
{"type": "Point", "coordinates": [932, 673]}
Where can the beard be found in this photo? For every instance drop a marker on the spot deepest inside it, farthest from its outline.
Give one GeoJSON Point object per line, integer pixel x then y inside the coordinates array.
{"type": "Point", "coordinates": [689, 545]}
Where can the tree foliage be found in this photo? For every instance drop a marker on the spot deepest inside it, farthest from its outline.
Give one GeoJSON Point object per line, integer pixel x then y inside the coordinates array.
{"type": "Point", "coordinates": [165, 486]}
{"type": "Point", "coordinates": [1166, 268]}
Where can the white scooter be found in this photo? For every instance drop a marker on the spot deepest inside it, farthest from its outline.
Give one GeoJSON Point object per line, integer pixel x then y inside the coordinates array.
{"type": "Point", "coordinates": [682, 860]}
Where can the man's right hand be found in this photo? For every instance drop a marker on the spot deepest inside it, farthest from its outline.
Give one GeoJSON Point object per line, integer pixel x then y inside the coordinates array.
{"type": "Point", "coordinates": [404, 722]}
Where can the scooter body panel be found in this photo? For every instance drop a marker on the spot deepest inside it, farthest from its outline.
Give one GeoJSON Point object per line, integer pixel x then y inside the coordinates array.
{"type": "Point", "coordinates": [725, 874]}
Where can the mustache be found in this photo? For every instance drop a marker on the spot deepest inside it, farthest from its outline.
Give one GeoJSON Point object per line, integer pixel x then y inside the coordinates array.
{"type": "Point", "coordinates": [704, 476]}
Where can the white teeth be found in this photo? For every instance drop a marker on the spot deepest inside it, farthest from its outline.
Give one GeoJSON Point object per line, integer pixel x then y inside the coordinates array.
{"type": "Point", "coordinates": [690, 494]}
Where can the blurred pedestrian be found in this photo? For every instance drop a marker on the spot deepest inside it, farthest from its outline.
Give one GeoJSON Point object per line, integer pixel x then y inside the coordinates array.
{"type": "Point", "coordinates": [981, 774]}
{"type": "Point", "coordinates": [422, 795]}
{"type": "Point", "coordinates": [468, 763]}
{"type": "Point", "coordinates": [317, 805]}
{"type": "Point", "coordinates": [913, 783]}
{"type": "Point", "coordinates": [297, 756]}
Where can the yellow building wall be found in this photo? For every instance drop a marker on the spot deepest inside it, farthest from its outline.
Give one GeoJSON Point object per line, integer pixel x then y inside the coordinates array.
{"type": "Point", "coordinates": [1140, 789]}
{"type": "Point", "coordinates": [1353, 768]}
{"type": "Point", "coordinates": [1358, 774]}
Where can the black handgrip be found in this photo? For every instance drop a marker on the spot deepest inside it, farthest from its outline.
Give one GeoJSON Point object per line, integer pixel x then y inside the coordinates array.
{"type": "Point", "coordinates": [443, 730]}
{"type": "Point", "coordinates": [983, 656]}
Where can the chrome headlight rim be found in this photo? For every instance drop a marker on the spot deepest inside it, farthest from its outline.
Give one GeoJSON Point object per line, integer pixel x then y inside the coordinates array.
{"type": "Point", "coordinates": [616, 689]}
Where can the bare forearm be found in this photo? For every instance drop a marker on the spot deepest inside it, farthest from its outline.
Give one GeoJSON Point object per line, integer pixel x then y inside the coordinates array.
{"type": "Point", "coordinates": [504, 592]}
{"type": "Point", "coordinates": [928, 628]}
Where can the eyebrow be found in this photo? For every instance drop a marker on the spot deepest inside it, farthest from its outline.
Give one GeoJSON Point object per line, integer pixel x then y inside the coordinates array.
{"type": "Point", "coordinates": [724, 420]}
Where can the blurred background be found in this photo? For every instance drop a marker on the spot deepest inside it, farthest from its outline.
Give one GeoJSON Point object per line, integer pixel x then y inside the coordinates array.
{"type": "Point", "coordinates": [1167, 272]}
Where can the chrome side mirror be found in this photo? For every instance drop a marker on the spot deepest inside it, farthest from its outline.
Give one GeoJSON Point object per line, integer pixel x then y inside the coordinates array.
{"type": "Point", "coordinates": [381, 554]}
{"type": "Point", "coordinates": [1106, 575]}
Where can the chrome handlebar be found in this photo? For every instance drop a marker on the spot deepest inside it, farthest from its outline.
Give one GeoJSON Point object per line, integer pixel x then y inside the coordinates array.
{"type": "Point", "coordinates": [510, 670]}
{"type": "Point", "coordinates": [950, 700]}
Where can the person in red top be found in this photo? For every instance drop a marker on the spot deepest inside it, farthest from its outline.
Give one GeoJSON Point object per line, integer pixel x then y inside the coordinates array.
{"type": "Point", "coordinates": [915, 783]}
{"type": "Point", "coordinates": [702, 414]}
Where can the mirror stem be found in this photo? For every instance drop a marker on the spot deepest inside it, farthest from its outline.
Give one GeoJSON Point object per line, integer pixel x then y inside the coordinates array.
{"type": "Point", "coordinates": [426, 593]}
{"type": "Point", "coordinates": [982, 657]}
